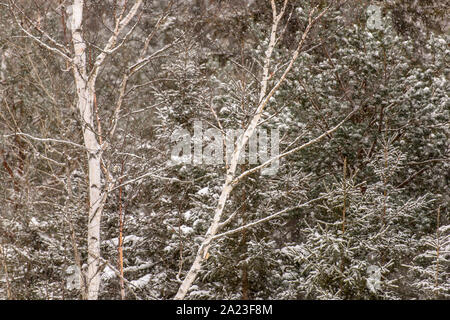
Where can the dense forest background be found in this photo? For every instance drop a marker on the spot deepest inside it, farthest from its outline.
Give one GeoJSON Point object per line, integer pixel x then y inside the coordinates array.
{"type": "Point", "coordinates": [358, 210]}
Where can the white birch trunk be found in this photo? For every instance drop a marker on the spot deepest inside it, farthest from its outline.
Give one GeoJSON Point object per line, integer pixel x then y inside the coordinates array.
{"type": "Point", "coordinates": [85, 85]}
{"type": "Point", "coordinates": [3, 66]}
{"type": "Point", "coordinates": [228, 187]}
{"type": "Point", "coordinates": [85, 105]}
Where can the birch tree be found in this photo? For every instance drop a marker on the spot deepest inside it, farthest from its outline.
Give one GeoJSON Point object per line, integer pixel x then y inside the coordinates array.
{"type": "Point", "coordinates": [85, 85]}
{"type": "Point", "coordinates": [86, 70]}
{"type": "Point", "coordinates": [231, 179]}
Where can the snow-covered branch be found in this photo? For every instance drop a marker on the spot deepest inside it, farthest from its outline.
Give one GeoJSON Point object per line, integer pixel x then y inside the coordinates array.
{"type": "Point", "coordinates": [45, 139]}
{"type": "Point", "coordinates": [268, 218]}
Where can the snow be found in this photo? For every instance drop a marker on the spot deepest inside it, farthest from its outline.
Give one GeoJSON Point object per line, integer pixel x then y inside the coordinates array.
{"type": "Point", "coordinates": [374, 280]}
{"type": "Point", "coordinates": [203, 192]}
{"type": "Point", "coordinates": [34, 222]}
{"type": "Point", "coordinates": [142, 282]}
{"type": "Point", "coordinates": [187, 215]}
{"type": "Point", "coordinates": [126, 240]}
{"type": "Point", "coordinates": [108, 274]}
{"type": "Point", "coordinates": [186, 230]}
{"type": "Point", "coordinates": [73, 277]}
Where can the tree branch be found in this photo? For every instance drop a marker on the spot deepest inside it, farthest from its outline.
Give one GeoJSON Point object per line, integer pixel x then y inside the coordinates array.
{"type": "Point", "coordinates": [272, 216]}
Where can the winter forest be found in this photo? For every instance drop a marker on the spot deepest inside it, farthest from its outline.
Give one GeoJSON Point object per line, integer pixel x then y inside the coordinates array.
{"type": "Point", "coordinates": [224, 149]}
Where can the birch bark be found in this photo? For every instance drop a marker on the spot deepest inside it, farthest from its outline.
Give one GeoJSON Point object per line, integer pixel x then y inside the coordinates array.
{"type": "Point", "coordinates": [85, 85]}
{"type": "Point", "coordinates": [85, 103]}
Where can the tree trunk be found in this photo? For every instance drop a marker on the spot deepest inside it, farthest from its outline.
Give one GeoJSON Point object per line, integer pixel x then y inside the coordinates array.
{"type": "Point", "coordinates": [85, 104]}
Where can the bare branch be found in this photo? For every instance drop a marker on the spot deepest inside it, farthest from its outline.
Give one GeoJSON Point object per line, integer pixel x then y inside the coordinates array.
{"type": "Point", "coordinates": [307, 144]}
{"type": "Point", "coordinates": [39, 41]}
{"type": "Point", "coordinates": [45, 139]}
{"type": "Point", "coordinates": [120, 26]}
{"type": "Point", "coordinates": [270, 217]}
